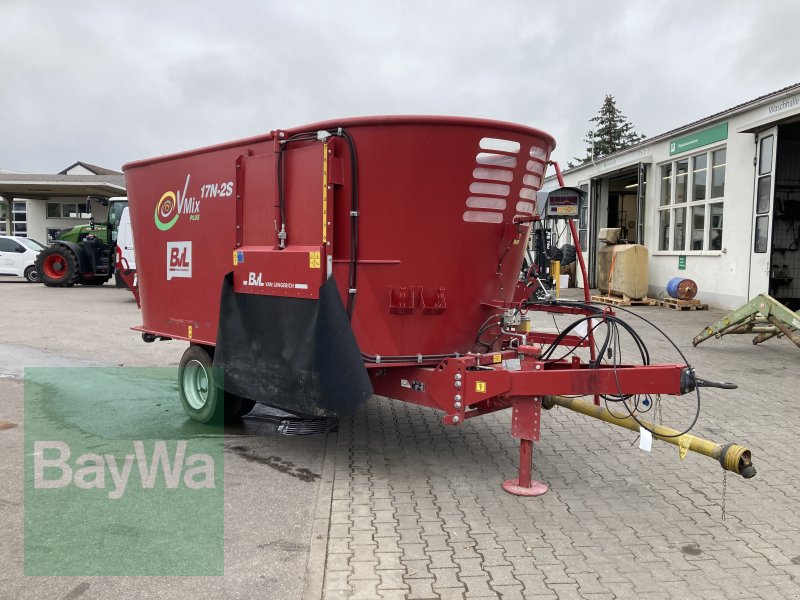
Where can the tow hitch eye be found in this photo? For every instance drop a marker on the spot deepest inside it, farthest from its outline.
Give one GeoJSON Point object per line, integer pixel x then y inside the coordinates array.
{"type": "Point", "coordinates": [689, 382]}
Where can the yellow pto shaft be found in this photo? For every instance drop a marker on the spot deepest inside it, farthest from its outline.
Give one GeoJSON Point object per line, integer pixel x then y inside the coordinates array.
{"type": "Point", "coordinates": [732, 457]}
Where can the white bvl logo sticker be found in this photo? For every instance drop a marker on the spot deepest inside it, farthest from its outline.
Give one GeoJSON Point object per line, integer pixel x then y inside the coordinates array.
{"type": "Point", "coordinates": [179, 259]}
{"type": "Point", "coordinates": [254, 279]}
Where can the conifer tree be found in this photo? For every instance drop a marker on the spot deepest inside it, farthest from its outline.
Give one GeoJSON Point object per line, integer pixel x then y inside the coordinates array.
{"type": "Point", "coordinates": [611, 133]}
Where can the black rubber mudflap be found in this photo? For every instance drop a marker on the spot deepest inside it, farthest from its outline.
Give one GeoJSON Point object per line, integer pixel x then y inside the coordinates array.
{"type": "Point", "coordinates": [296, 354]}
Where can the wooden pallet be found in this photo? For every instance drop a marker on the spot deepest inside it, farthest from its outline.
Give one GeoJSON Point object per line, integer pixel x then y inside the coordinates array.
{"type": "Point", "coordinates": [624, 300]}
{"type": "Point", "coordinates": [676, 304]}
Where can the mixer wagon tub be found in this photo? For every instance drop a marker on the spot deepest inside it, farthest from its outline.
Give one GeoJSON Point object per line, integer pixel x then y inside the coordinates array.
{"type": "Point", "coordinates": [309, 268]}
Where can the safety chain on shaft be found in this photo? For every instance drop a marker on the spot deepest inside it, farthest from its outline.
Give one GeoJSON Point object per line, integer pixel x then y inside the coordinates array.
{"type": "Point", "coordinates": [658, 409]}
{"type": "Point", "coordinates": [724, 490]}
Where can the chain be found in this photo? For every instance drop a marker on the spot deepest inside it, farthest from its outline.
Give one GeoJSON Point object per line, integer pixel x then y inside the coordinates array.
{"type": "Point", "coordinates": [724, 490]}
{"type": "Point", "coordinates": [658, 409]}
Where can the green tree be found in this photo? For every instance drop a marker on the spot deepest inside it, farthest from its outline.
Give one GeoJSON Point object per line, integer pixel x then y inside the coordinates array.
{"type": "Point", "coordinates": [611, 133]}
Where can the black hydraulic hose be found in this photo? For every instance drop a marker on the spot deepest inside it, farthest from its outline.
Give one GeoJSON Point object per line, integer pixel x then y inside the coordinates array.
{"type": "Point", "coordinates": [354, 216]}
{"type": "Point", "coordinates": [690, 370]}
{"type": "Point", "coordinates": [354, 201]}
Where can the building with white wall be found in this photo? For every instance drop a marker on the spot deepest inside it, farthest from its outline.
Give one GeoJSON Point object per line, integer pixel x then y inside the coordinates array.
{"type": "Point", "coordinates": [41, 205]}
{"type": "Point", "coordinates": [716, 201]}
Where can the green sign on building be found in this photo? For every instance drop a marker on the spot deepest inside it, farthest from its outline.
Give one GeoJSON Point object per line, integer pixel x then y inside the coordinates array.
{"type": "Point", "coordinates": [682, 262]}
{"type": "Point", "coordinates": [699, 139]}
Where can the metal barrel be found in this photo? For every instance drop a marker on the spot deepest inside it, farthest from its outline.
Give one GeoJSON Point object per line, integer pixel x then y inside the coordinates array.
{"type": "Point", "coordinates": [681, 288]}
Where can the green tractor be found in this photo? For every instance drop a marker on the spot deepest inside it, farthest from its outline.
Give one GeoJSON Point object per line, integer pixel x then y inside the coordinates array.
{"type": "Point", "coordinates": [82, 254]}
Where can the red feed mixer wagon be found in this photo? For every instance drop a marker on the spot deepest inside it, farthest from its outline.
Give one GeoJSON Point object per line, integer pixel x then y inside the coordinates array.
{"type": "Point", "coordinates": [313, 267]}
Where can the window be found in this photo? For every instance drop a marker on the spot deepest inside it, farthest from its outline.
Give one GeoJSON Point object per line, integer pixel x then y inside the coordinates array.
{"type": "Point", "coordinates": [718, 173]}
{"type": "Point", "coordinates": [663, 230]}
{"type": "Point", "coordinates": [583, 216]}
{"type": "Point", "coordinates": [666, 184]}
{"type": "Point", "coordinates": [691, 201]}
{"type": "Point", "coordinates": [8, 245]}
{"type": "Point", "coordinates": [68, 210]}
{"type": "Point", "coordinates": [32, 244]}
{"type": "Point", "coordinates": [20, 218]}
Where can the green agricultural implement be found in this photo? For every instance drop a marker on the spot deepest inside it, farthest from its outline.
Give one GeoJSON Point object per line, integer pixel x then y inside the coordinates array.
{"type": "Point", "coordinates": [763, 315]}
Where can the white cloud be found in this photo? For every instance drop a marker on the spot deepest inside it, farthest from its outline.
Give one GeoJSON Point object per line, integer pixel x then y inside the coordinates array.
{"type": "Point", "coordinates": [111, 82]}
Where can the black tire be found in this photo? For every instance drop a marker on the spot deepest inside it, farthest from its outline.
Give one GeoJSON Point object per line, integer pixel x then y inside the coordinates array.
{"type": "Point", "coordinates": [32, 275]}
{"type": "Point", "coordinates": [201, 398]}
{"type": "Point", "coordinates": [94, 279]}
{"type": "Point", "coordinates": [57, 266]}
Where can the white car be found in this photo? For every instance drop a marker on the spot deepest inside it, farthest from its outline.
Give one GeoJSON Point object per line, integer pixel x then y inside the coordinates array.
{"type": "Point", "coordinates": [18, 256]}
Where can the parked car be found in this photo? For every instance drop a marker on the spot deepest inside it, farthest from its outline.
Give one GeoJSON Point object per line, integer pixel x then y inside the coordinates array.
{"type": "Point", "coordinates": [18, 256]}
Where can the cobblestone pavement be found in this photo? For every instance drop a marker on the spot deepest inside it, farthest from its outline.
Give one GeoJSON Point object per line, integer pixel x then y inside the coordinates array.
{"type": "Point", "coordinates": [417, 509]}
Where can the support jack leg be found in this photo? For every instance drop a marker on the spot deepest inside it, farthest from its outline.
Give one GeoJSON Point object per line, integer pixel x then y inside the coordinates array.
{"type": "Point", "coordinates": [525, 414]}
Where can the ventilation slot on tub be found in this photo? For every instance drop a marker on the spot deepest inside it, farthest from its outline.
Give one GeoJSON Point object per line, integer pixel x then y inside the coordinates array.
{"type": "Point", "coordinates": [531, 182]}
{"type": "Point", "coordinates": [490, 180]}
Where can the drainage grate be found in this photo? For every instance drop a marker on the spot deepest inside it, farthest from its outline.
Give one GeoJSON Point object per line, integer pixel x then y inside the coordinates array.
{"type": "Point", "coordinates": [307, 426]}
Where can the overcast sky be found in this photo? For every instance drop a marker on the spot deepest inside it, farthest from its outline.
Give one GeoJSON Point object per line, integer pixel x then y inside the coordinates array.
{"type": "Point", "coordinates": [111, 81]}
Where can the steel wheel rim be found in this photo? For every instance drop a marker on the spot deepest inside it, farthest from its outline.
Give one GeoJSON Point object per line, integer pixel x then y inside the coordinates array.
{"type": "Point", "coordinates": [195, 384]}
{"type": "Point", "coordinates": [54, 266]}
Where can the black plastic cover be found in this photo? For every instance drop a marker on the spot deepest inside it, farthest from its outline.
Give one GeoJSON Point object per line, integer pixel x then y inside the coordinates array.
{"type": "Point", "coordinates": [296, 354]}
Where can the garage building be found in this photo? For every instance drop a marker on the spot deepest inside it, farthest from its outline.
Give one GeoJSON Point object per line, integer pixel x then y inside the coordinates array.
{"type": "Point", "coordinates": [716, 201]}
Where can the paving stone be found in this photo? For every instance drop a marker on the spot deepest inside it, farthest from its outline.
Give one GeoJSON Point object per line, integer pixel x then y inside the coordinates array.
{"type": "Point", "coordinates": [393, 594]}
{"type": "Point", "coordinates": [421, 589]}
{"type": "Point", "coordinates": [388, 560]}
{"type": "Point", "coordinates": [337, 581]}
{"type": "Point", "coordinates": [337, 562]}
{"type": "Point", "coordinates": [417, 569]}
{"type": "Point", "coordinates": [451, 593]}
{"type": "Point", "coordinates": [363, 553]}
{"type": "Point", "coordinates": [363, 570]}
{"type": "Point", "coordinates": [477, 586]}
{"type": "Point", "coordinates": [533, 584]}
{"type": "Point", "coordinates": [392, 580]}
{"type": "Point", "coordinates": [418, 497]}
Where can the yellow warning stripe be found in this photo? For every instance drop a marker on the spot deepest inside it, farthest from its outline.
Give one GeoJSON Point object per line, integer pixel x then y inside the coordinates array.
{"type": "Point", "coordinates": [325, 193]}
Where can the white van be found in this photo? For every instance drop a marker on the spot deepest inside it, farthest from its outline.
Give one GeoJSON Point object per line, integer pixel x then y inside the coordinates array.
{"type": "Point", "coordinates": [125, 272]}
{"type": "Point", "coordinates": [125, 240]}
{"type": "Point", "coordinates": [18, 256]}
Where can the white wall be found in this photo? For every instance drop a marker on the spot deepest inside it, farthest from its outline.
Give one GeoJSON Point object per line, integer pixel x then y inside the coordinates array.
{"type": "Point", "coordinates": [38, 223]}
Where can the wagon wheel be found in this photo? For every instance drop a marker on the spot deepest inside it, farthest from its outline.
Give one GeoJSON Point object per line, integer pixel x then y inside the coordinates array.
{"type": "Point", "coordinates": [200, 395]}
{"type": "Point", "coordinates": [200, 389]}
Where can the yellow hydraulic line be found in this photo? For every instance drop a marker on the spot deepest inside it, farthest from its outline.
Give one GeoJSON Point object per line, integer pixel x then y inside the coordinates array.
{"type": "Point", "coordinates": [732, 457]}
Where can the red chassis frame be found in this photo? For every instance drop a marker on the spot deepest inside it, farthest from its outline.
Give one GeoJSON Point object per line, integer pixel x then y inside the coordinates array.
{"type": "Point", "coordinates": [478, 384]}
